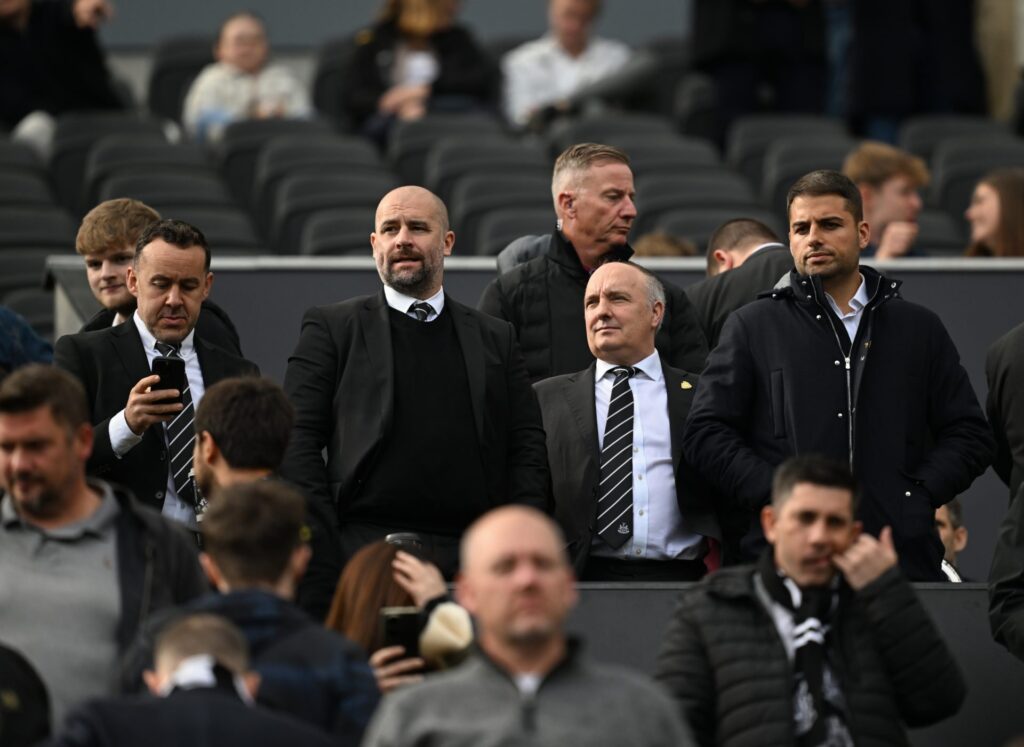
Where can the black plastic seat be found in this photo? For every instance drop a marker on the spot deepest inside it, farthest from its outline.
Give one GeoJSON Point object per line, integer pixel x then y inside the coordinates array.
{"type": "Point", "coordinates": [200, 190]}
{"type": "Point", "coordinates": [750, 136]}
{"type": "Point", "coordinates": [338, 232]}
{"type": "Point", "coordinates": [302, 195]}
{"type": "Point", "coordinates": [921, 135]}
{"type": "Point", "coordinates": [19, 157]}
{"type": "Point", "coordinates": [24, 188]}
{"type": "Point", "coordinates": [697, 224]}
{"type": "Point", "coordinates": [454, 157]}
{"type": "Point", "coordinates": [332, 59]}
{"type": "Point", "coordinates": [789, 158]}
{"type": "Point", "coordinates": [176, 63]}
{"type": "Point", "coordinates": [499, 227]}
{"type": "Point", "coordinates": [118, 155]}
{"type": "Point", "coordinates": [36, 306]}
{"type": "Point", "coordinates": [607, 127]}
{"type": "Point", "coordinates": [37, 226]}
{"type": "Point", "coordinates": [411, 141]}
{"type": "Point", "coordinates": [23, 269]}
{"type": "Point", "coordinates": [939, 235]}
{"type": "Point", "coordinates": [475, 195]}
{"type": "Point", "coordinates": [660, 193]}
{"type": "Point", "coordinates": [667, 154]}
{"type": "Point", "coordinates": [227, 230]}
{"type": "Point", "coordinates": [959, 164]}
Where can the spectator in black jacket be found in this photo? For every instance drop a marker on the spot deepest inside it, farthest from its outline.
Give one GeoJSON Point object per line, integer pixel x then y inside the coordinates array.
{"type": "Point", "coordinates": [106, 240]}
{"type": "Point", "coordinates": [592, 188]}
{"type": "Point", "coordinates": [833, 360]}
{"type": "Point", "coordinates": [822, 642]}
{"type": "Point", "coordinates": [254, 555]}
{"type": "Point", "coordinates": [1006, 580]}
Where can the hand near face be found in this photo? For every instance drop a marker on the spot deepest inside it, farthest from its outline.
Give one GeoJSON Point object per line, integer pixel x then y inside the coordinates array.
{"type": "Point", "coordinates": [897, 239]}
{"type": "Point", "coordinates": [867, 559]}
{"type": "Point", "coordinates": [392, 670]}
{"type": "Point", "coordinates": [90, 13]}
{"type": "Point", "coordinates": [146, 406]}
{"type": "Point", "coordinates": [422, 580]}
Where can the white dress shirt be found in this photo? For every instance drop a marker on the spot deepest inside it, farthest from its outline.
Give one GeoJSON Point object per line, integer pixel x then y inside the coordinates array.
{"type": "Point", "coordinates": [852, 320]}
{"type": "Point", "coordinates": [541, 72]}
{"type": "Point", "coordinates": [123, 440]}
{"type": "Point", "coordinates": [658, 531]}
{"type": "Point", "coordinates": [401, 302]}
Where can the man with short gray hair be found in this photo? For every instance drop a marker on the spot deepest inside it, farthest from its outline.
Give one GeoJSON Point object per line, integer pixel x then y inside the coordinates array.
{"type": "Point", "coordinates": [594, 199]}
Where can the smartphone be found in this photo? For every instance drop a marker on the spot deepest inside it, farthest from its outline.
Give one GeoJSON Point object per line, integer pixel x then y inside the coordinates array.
{"type": "Point", "coordinates": [401, 627]}
{"type": "Point", "coordinates": [172, 376]}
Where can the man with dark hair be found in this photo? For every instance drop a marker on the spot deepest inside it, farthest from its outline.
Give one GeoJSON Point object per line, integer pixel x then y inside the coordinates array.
{"type": "Point", "coordinates": [423, 404]}
{"type": "Point", "coordinates": [203, 692]}
{"type": "Point", "coordinates": [144, 434]}
{"type": "Point", "coordinates": [592, 189]}
{"type": "Point", "coordinates": [949, 522]}
{"type": "Point", "coordinates": [242, 428]}
{"type": "Point", "coordinates": [529, 682]}
{"type": "Point", "coordinates": [623, 495]}
{"type": "Point", "coordinates": [745, 257]}
{"type": "Point", "coordinates": [106, 240]}
{"type": "Point", "coordinates": [254, 554]}
{"type": "Point", "coordinates": [84, 564]}
{"type": "Point", "coordinates": [823, 641]}
{"type": "Point", "coordinates": [835, 361]}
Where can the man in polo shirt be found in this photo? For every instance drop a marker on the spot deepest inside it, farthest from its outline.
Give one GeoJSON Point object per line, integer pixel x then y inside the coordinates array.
{"type": "Point", "coordinates": [83, 563]}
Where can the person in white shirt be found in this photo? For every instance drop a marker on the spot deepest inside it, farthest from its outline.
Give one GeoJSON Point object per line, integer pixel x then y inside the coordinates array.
{"type": "Point", "coordinates": [548, 71]}
{"type": "Point", "coordinates": [241, 84]}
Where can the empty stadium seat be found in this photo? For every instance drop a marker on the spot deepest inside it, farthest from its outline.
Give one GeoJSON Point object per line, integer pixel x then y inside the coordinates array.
{"type": "Point", "coordinates": [697, 224]}
{"type": "Point", "coordinates": [140, 154]}
{"type": "Point", "coordinates": [332, 58]}
{"type": "Point", "coordinates": [789, 158]}
{"type": "Point", "coordinates": [475, 195]}
{"type": "Point", "coordinates": [176, 63]}
{"type": "Point", "coordinates": [410, 141]}
{"type": "Point", "coordinates": [499, 227]}
{"type": "Point", "coordinates": [19, 157]}
{"type": "Point", "coordinates": [23, 269]}
{"type": "Point", "coordinates": [939, 235]}
{"type": "Point", "coordinates": [170, 189]}
{"type": "Point", "coordinates": [302, 195]}
{"type": "Point", "coordinates": [453, 157]}
{"type": "Point", "coordinates": [23, 188]}
{"type": "Point", "coordinates": [228, 230]}
{"type": "Point", "coordinates": [659, 193]}
{"type": "Point", "coordinates": [338, 232]}
{"type": "Point", "coordinates": [605, 128]}
{"type": "Point", "coordinates": [666, 154]}
{"type": "Point", "coordinates": [36, 306]}
{"type": "Point", "coordinates": [750, 136]}
{"type": "Point", "coordinates": [242, 141]}
{"type": "Point", "coordinates": [959, 164]}
{"type": "Point", "coordinates": [921, 135]}
{"type": "Point", "coordinates": [695, 106]}
{"type": "Point", "coordinates": [37, 226]}
{"type": "Point", "coordinates": [75, 135]}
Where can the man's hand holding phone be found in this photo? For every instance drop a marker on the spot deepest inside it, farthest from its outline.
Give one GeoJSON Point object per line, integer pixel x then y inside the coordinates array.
{"type": "Point", "coordinates": [147, 405]}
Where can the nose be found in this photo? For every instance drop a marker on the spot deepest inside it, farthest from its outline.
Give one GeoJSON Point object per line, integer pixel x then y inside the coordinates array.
{"type": "Point", "coordinates": [818, 534]}
{"type": "Point", "coordinates": [915, 203]}
{"type": "Point", "coordinates": [628, 208]}
{"type": "Point", "coordinates": [173, 295]}
{"type": "Point", "coordinates": [403, 237]}
{"type": "Point", "coordinates": [107, 269]}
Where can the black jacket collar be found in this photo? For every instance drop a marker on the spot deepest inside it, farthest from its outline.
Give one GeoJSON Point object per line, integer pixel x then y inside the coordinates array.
{"type": "Point", "coordinates": [563, 252]}
{"type": "Point", "coordinates": [807, 288]}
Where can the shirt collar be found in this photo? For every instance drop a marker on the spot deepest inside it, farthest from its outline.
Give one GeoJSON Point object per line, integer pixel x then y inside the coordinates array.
{"type": "Point", "coordinates": [96, 523]}
{"type": "Point", "coordinates": [765, 246]}
{"type": "Point", "coordinates": [401, 302]}
{"type": "Point", "coordinates": [859, 301]}
{"type": "Point", "coordinates": [149, 342]}
{"type": "Point", "coordinates": [649, 366]}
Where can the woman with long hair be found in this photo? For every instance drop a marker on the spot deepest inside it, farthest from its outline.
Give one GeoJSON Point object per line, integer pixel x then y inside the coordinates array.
{"type": "Point", "coordinates": [996, 215]}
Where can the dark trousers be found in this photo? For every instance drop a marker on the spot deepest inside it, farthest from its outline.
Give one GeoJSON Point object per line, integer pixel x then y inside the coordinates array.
{"type": "Point", "coordinates": [614, 569]}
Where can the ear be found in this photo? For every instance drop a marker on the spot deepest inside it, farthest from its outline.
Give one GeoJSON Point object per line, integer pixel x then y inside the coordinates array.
{"type": "Point", "coordinates": [152, 680]}
{"type": "Point", "coordinates": [212, 572]}
{"type": "Point", "coordinates": [252, 682]}
{"type": "Point", "coordinates": [565, 202]}
{"type": "Point", "coordinates": [864, 233]}
{"type": "Point", "coordinates": [449, 242]}
{"type": "Point", "coordinates": [768, 520]}
{"type": "Point", "coordinates": [723, 258]}
{"type": "Point", "coordinates": [208, 448]}
{"type": "Point", "coordinates": [299, 561]}
{"type": "Point", "coordinates": [83, 438]}
{"type": "Point", "coordinates": [659, 314]}
{"type": "Point", "coordinates": [959, 539]}
{"type": "Point", "coordinates": [132, 281]}
{"type": "Point", "coordinates": [856, 529]}
{"type": "Point", "coordinates": [207, 284]}
{"type": "Point", "coordinates": [464, 593]}
{"type": "Point", "coordinates": [373, 242]}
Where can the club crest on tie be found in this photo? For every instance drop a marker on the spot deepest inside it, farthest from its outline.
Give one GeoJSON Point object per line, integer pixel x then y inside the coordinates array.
{"type": "Point", "coordinates": [623, 528]}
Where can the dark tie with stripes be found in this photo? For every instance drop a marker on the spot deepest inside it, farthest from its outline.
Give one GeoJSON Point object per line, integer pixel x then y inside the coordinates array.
{"type": "Point", "coordinates": [421, 310]}
{"type": "Point", "coordinates": [615, 505]}
{"type": "Point", "coordinates": [181, 438]}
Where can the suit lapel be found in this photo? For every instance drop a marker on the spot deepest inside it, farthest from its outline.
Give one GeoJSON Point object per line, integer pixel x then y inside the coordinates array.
{"type": "Point", "coordinates": [375, 328]}
{"type": "Point", "coordinates": [579, 396]}
{"type": "Point", "coordinates": [128, 346]}
{"type": "Point", "coordinates": [679, 388]}
{"type": "Point", "coordinates": [467, 329]}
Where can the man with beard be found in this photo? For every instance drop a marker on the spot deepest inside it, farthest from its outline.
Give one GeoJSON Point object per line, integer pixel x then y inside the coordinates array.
{"type": "Point", "coordinates": [84, 564]}
{"type": "Point", "coordinates": [422, 403]}
{"type": "Point", "coordinates": [529, 682]}
{"type": "Point", "coordinates": [834, 360]}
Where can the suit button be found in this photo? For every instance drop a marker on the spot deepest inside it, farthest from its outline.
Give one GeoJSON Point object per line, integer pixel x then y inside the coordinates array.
{"type": "Point", "coordinates": [907, 494]}
{"type": "Point", "coordinates": [159, 495]}
{"type": "Point", "coordinates": [839, 414]}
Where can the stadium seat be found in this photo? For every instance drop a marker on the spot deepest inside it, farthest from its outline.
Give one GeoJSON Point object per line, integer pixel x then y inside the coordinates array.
{"type": "Point", "coordinates": [659, 193]}
{"type": "Point", "coordinates": [695, 106]}
{"type": "Point", "coordinates": [411, 141]}
{"type": "Point", "coordinates": [36, 306]}
{"type": "Point", "coordinates": [242, 142]}
{"type": "Point", "coordinates": [605, 128]}
{"type": "Point", "coordinates": [23, 269]}
{"type": "Point", "coordinates": [140, 154]}
{"type": "Point", "coordinates": [338, 232]}
{"type": "Point", "coordinates": [75, 135]}
{"type": "Point", "coordinates": [499, 227]}
{"type": "Point", "coordinates": [37, 226]}
{"type": "Point", "coordinates": [453, 157]}
{"type": "Point", "coordinates": [474, 195]}
{"type": "Point", "coordinates": [170, 189]}
{"type": "Point", "coordinates": [750, 136]}
{"type": "Point", "coordinates": [697, 224]}
{"type": "Point", "coordinates": [19, 157]}
{"type": "Point", "coordinates": [329, 76]}
{"type": "Point", "coordinates": [176, 63]}
{"type": "Point", "coordinates": [293, 154]}
{"type": "Point", "coordinates": [959, 164]}
{"type": "Point", "coordinates": [23, 188]}
{"type": "Point", "coordinates": [302, 195]}
{"type": "Point", "coordinates": [921, 135]}
{"type": "Point", "coordinates": [227, 229]}
{"type": "Point", "coordinates": [789, 158]}
{"type": "Point", "coordinates": [939, 235]}
{"type": "Point", "coordinates": [666, 154]}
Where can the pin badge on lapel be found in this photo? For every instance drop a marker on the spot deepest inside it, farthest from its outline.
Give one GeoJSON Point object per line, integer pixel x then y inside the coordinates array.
{"type": "Point", "coordinates": [685, 385]}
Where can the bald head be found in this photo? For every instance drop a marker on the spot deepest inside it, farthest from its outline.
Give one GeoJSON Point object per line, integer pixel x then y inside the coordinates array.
{"type": "Point", "coordinates": [509, 520]}
{"type": "Point", "coordinates": [411, 195]}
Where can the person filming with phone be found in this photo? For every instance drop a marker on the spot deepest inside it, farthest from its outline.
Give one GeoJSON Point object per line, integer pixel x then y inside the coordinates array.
{"type": "Point", "coordinates": [145, 377]}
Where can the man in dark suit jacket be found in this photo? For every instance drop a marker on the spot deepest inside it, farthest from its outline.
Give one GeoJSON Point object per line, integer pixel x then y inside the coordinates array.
{"type": "Point", "coordinates": [423, 404]}
{"type": "Point", "coordinates": [1004, 369]}
{"type": "Point", "coordinates": [745, 257]}
{"type": "Point", "coordinates": [203, 697]}
{"type": "Point", "coordinates": [170, 278]}
{"type": "Point", "coordinates": [106, 240]}
{"type": "Point", "coordinates": [614, 439]}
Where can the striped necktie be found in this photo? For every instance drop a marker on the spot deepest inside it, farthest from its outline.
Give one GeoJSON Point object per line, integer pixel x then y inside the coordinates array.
{"type": "Point", "coordinates": [421, 310]}
{"type": "Point", "coordinates": [615, 504]}
{"type": "Point", "coordinates": [181, 437]}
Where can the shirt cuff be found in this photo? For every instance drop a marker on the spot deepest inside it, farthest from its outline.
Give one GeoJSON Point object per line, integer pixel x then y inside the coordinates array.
{"type": "Point", "coordinates": [122, 439]}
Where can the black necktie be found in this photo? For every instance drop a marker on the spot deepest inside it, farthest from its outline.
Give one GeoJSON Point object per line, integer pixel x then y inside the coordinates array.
{"type": "Point", "coordinates": [615, 504]}
{"type": "Point", "coordinates": [181, 437]}
{"type": "Point", "coordinates": [421, 310]}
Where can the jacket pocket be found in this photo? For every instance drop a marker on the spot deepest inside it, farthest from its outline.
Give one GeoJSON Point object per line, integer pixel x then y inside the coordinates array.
{"type": "Point", "coordinates": [778, 404]}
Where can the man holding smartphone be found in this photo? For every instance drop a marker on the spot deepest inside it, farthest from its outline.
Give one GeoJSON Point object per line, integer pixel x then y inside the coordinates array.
{"type": "Point", "coordinates": [144, 433]}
